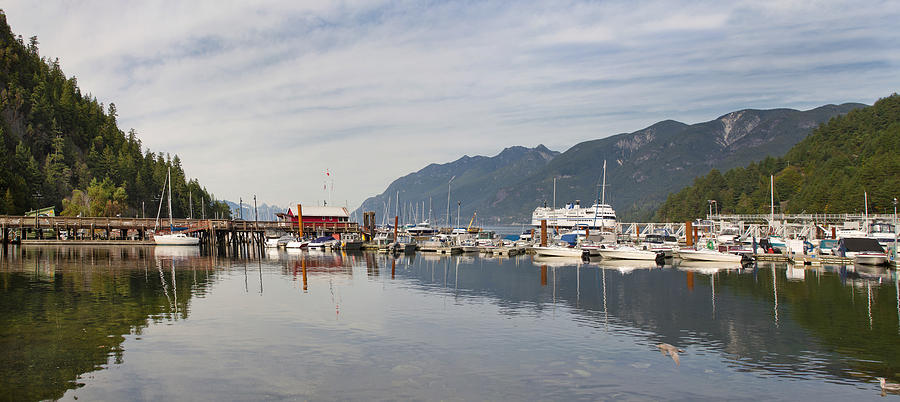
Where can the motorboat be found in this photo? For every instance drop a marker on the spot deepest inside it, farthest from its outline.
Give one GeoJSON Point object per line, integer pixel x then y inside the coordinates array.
{"type": "Point", "coordinates": [663, 243]}
{"type": "Point", "coordinates": [296, 244]}
{"type": "Point", "coordinates": [558, 251]}
{"type": "Point", "coordinates": [627, 253]}
{"type": "Point", "coordinates": [704, 254]}
{"type": "Point", "coordinates": [322, 242]}
{"type": "Point", "coordinates": [422, 229]}
{"type": "Point", "coordinates": [275, 242]}
{"type": "Point", "coordinates": [469, 246]}
{"type": "Point", "coordinates": [870, 258]}
{"type": "Point", "coordinates": [863, 250]}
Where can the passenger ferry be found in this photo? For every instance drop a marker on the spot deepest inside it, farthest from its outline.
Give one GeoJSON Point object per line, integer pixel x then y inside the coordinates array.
{"type": "Point", "coordinates": [598, 216]}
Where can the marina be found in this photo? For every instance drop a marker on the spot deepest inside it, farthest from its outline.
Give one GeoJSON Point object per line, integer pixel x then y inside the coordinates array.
{"type": "Point", "coordinates": [299, 322]}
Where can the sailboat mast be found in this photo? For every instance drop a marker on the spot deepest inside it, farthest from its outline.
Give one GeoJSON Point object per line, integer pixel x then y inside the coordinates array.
{"type": "Point", "coordinates": [772, 194]}
{"type": "Point", "coordinates": [603, 192]}
{"type": "Point", "coordinates": [171, 223]}
{"type": "Point", "coordinates": [866, 200]}
{"type": "Point", "coordinates": [159, 210]}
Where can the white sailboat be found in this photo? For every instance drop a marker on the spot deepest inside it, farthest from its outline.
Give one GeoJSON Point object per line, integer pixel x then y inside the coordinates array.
{"type": "Point", "coordinates": [172, 239]}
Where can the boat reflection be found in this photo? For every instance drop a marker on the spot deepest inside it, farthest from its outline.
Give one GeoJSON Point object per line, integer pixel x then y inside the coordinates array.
{"type": "Point", "coordinates": [706, 267]}
{"type": "Point", "coordinates": [557, 262]}
{"type": "Point", "coordinates": [625, 266]}
{"type": "Point", "coordinates": [176, 252]}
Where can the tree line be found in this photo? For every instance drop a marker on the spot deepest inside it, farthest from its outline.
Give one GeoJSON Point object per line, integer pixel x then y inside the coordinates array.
{"type": "Point", "coordinates": [830, 171]}
{"type": "Point", "coordinates": [61, 147]}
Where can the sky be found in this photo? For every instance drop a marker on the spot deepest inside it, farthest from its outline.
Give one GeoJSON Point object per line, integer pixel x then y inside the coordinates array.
{"type": "Point", "coordinates": [263, 98]}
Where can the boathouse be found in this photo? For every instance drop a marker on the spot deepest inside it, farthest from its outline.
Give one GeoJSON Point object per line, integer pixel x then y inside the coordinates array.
{"type": "Point", "coordinates": [320, 219]}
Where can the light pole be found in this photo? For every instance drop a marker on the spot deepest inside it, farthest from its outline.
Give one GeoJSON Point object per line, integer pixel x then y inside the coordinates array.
{"type": "Point", "coordinates": [255, 211]}
{"type": "Point", "coordinates": [458, 203]}
{"type": "Point", "coordinates": [448, 201]}
{"type": "Point", "coordinates": [241, 206]}
{"type": "Point", "coordinates": [895, 229]}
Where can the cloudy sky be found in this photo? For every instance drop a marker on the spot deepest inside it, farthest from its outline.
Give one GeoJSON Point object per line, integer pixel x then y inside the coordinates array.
{"type": "Point", "coordinates": [262, 97]}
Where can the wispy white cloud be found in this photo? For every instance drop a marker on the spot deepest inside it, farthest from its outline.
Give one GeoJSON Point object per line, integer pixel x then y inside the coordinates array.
{"type": "Point", "coordinates": [260, 97]}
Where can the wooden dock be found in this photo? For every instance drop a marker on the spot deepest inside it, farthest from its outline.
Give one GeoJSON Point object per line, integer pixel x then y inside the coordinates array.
{"type": "Point", "coordinates": [234, 235]}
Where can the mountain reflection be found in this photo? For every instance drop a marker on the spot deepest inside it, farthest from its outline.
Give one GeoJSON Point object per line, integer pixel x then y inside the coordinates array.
{"type": "Point", "coordinates": [838, 323]}
{"type": "Point", "coordinates": [67, 310]}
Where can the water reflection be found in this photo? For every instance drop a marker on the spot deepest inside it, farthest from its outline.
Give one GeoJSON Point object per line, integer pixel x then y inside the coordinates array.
{"type": "Point", "coordinates": [434, 326]}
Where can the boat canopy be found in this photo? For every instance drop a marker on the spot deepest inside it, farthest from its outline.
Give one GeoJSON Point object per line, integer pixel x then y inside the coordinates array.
{"type": "Point", "coordinates": [572, 239]}
{"type": "Point", "coordinates": [859, 244]}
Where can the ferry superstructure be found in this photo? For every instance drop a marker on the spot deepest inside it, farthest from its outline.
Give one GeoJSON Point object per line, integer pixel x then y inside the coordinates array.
{"type": "Point", "coordinates": [598, 216]}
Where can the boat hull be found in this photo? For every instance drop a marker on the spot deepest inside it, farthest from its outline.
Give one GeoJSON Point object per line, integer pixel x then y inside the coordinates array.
{"type": "Point", "coordinates": [712, 256]}
{"type": "Point", "coordinates": [559, 251]}
{"type": "Point", "coordinates": [871, 258]}
{"type": "Point", "coordinates": [175, 240]}
{"type": "Point", "coordinates": [628, 254]}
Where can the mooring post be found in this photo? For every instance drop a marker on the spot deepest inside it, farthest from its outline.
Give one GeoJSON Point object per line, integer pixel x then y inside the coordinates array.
{"type": "Point", "coordinates": [543, 233]}
{"type": "Point", "coordinates": [300, 222]}
{"type": "Point", "coordinates": [303, 264]}
{"type": "Point", "coordinates": [689, 233]}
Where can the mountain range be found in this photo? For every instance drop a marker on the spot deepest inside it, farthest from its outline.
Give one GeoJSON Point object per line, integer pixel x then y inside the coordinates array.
{"type": "Point", "coordinates": [847, 165]}
{"type": "Point", "coordinates": [643, 168]}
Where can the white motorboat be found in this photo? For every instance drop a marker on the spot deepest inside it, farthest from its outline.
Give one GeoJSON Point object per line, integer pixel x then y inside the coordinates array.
{"type": "Point", "coordinates": [469, 246]}
{"type": "Point", "coordinates": [862, 250]}
{"type": "Point", "coordinates": [558, 251]}
{"type": "Point", "coordinates": [275, 242]}
{"type": "Point", "coordinates": [627, 253]}
{"type": "Point", "coordinates": [690, 254]}
{"type": "Point", "coordinates": [322, 242]}
{"type": "Point", "coordinates": [870, 258]}
{"type": "Point", "coordinates": [296, 244]}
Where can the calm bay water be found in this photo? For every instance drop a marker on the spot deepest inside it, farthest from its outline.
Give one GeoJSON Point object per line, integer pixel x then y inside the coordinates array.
{"type": "Point", "coordinates": [137, 323]}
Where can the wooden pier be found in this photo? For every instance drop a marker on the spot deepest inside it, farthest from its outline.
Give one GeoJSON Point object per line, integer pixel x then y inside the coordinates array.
{"type": "Point", "coordinates": [236, 235]}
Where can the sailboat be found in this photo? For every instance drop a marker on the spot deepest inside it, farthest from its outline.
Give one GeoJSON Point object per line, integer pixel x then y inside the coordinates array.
{"type": "Point", "coordinates": [172, 239]}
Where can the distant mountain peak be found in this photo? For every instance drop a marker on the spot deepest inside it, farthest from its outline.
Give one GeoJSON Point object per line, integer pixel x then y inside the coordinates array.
{"type": "Point", "coordinates": [736, 125]}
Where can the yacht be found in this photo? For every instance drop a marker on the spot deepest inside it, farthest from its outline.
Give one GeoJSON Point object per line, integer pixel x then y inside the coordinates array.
{"type": "Point", "coordinates": [421, 229]}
